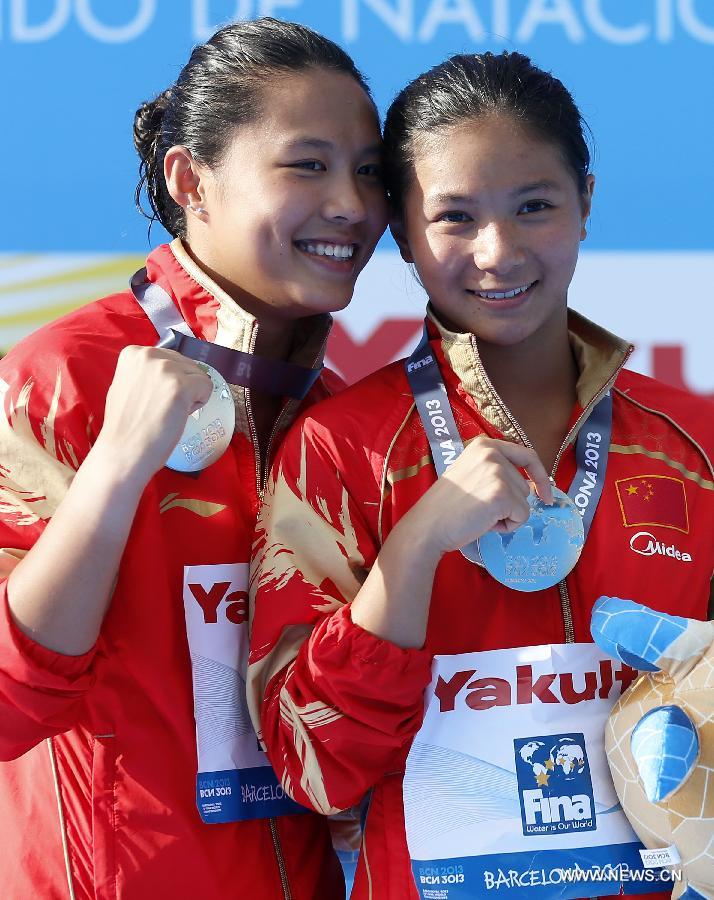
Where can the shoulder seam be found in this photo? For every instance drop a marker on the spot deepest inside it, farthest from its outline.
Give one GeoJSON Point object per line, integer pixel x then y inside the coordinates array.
{"type": "Point", "coordinates": [385, 469]}
{"type": "Point", "coordinates": [668, 418]}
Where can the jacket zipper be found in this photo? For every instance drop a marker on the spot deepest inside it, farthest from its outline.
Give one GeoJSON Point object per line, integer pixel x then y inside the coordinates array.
{"type": "Point", "coordinates": [289, 405]}
{"type": "Point", "coordinates": [565, 605]}
{"type": "Point", "coordinates": [251, 423]}
{"type": "Point", "coordinates": [269, 448]}
{"type": "Point", "coordinates": [260, 484]}
{"type": "Point", "coordinates": [281, 861]}
{"type": "Point", "coordinates": [261, 477]}
{"type": "Point", "coordinates": [262, 470]}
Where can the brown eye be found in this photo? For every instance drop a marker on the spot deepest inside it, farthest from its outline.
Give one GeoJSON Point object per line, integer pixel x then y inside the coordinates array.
{"type": "Point", "coordinates": [373, 169]}
{"type": "Point", "coordinates": [455, 217]}
{"type": "Point", "coordinates": [311, 165]}
{"type": "Point", "coordinates": [533, 206]}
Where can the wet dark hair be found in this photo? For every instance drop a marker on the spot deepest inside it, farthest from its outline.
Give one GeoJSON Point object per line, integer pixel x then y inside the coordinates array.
{"type": "Point", "coordinates": [221, 87]}
{"type": "Point", "coordinates": [469, 87]}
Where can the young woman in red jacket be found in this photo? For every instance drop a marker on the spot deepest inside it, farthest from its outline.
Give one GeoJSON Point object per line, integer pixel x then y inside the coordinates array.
{"type": "Point", "coordinates": [357, 577]}
{"type": "Point", "coordinates": [123, 581]}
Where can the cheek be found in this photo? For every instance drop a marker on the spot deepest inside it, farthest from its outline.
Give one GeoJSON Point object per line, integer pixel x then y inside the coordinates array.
{"type": "Point", "coordinates": [560, 249]}
{"type": "Point", "coordinates": [377, 211]}
{"type": "Point", "coordinates": [444, 253]}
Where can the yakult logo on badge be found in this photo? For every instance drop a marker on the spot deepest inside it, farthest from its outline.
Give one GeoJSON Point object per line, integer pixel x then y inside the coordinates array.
{"type": "Point", "coordinates": [216, 595]}
{"type": "Point", "coordinates": [554, 784]}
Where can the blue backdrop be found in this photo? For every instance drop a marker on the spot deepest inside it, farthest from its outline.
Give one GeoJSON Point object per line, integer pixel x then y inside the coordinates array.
{"type": "Point", "coordinates": [73, 72]}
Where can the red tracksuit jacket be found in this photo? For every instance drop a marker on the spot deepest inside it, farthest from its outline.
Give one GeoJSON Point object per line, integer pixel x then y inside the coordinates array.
{"type": "Point", "coordinates": [338, 707]}
{"type": "Point", "coordinates": [97, 783]}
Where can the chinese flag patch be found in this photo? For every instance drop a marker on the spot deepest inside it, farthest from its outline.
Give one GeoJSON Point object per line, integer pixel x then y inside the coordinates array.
{"type": "Point", "coordinates": [653, 500]}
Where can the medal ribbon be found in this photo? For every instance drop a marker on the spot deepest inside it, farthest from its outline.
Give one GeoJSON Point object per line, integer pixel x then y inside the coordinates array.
{"type": "Point", "coordinates": [437, 416]}
{"type": "Point", "coordinates": [276, 377]}
{"type": "Point", "coordinates": [234, 781]}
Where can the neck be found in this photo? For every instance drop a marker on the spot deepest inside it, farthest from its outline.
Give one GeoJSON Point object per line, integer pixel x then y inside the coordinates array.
{"type": "Point", "coordinates": [275, 337]}
{"type": "Point", "coordinates": [540, 369]}
{"type": "Point", "coordinates": [275, 333]}
{"type": "Point", "coordinates": [537, 381]}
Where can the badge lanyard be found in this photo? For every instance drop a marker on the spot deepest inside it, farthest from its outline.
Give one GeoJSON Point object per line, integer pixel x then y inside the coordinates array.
{"type": "Point", "coordinates": [437, 417]}
{"type": "Point", "coordinates": [272, 376]}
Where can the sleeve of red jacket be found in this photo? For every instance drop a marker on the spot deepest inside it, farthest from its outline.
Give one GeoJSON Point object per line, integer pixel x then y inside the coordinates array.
{"type": "Point", "coordinates": [333, 704]}
{"type": "Point", "coordinates": [40, 691]}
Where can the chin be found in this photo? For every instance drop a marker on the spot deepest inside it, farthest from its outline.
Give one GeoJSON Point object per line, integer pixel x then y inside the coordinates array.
{"type": "Point", "coordinates": [335, 303]}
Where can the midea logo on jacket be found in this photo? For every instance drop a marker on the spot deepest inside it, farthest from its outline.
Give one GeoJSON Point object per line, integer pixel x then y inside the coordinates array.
{"type": "Point", "coordinates": [646, 544]}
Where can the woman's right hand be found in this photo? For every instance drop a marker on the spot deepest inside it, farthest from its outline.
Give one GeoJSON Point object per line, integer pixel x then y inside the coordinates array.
{"type": "Point", "coordinates": [59, 592]}
{"type": "Point", "coordinates": [483, 490]}
{"type": "Point", "coordinates": [149, 400]}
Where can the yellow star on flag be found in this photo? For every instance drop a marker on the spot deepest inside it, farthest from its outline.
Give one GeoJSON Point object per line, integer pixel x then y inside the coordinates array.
{"type": "Point", "coordinates": [542, 778]}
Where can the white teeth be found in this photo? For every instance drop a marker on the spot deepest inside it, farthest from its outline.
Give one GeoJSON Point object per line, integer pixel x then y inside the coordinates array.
{"type": "Point", "coordinates": [339, 251]}
{"type": "Point", "coordinates": [503, 295]}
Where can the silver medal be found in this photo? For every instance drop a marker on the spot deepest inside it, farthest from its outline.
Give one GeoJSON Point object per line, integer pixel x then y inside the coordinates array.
{"type": "Point", "coordinates": [208, 430]}
{"type": "Point", "coordinates": [542, 551]}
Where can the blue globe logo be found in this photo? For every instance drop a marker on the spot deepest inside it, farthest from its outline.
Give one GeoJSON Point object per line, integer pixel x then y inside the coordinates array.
{"type": "Point", "coordinates": [542, 551]}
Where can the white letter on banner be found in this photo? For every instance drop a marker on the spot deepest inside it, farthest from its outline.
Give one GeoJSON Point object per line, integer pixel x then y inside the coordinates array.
{"type": "Point", "coordinates": [694, 24]}
{"type": "Point", "coordinates": [550, 12]}
{"type": "Point", "coordinates": [441, 11]}
{"type": "Point", "coordinates": [21, 30]}
{"type": "Point", "coordinates": [665, 21]}
{"type": "Point", "coordinates": [112, 34]}
{"type": "Point", "coordinates": [501, 22]}
{"type": "Point", "coordinates": [398, 18]}
{"type": "Point", "coordinates": [609, 32]}
{"type": "Point", "coordinates": [271, 7]}
{"type": "Point", "coordinates": [203, 28]}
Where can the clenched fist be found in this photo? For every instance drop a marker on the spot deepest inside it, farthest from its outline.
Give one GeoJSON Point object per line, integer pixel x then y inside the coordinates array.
{"type": "Point", "coordinates": [149, 400]}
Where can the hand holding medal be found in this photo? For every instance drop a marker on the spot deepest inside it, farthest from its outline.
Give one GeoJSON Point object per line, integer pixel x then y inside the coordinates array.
{"type": "Point", "coordinates": [483, 491]}
{"type": "Point", "coordinates": [541, 551]}
{"type": "Point", "coordinates": [209, 428]}
{"type": "Point", "coordinates": [153, 393]}
{"type": "Point", "coordinates": [532, 545]}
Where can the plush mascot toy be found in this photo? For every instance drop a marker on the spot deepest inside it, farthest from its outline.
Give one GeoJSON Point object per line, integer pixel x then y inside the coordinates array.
{"type": "Point", "coordinates": [660, 735]}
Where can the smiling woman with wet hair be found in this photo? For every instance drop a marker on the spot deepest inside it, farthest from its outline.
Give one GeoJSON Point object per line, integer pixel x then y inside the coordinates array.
{"type": "Point", "coordinates": [367, 565]}
{"type": "Point", "coordinates": [123, 636]}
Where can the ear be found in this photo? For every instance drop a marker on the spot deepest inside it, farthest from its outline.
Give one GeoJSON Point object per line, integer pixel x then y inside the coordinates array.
{"type": "Point", "coordinates": [399, 233]}
{"type": "Point", "coordinates": [184, 178]}
{"type": "Point", "coordinates": [649, 640]}
{"type": "Point", "coordinates": [586, 203]}
{"type": "Point", "coordinates": [665, 748]}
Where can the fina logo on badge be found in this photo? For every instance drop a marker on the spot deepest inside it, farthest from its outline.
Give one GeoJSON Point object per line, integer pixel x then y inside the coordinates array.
{"type": "Point", "coordinates": [554, 784]}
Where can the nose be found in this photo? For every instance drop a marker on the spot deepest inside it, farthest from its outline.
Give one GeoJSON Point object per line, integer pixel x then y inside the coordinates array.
{"type": "Point", "coordinates": [497, 248]}
{"type": "Point", "coordinates": [344, 201]}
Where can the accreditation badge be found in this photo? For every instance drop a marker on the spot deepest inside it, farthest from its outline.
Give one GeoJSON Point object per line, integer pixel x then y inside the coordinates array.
{"type": "Point", "coordinates": [542, 551]}
{"type": "Point", "coordinates": [235, 780]}
{"type": "Point", "coordinates": [507, 790]}
{"type": "Point", "coordinates": [208, 431]}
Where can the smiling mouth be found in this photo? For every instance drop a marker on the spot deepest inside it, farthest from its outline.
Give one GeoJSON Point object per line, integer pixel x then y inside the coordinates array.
{"type": "Point", "coordinates": [340, 252]}
{"type": "Point", "coordinates": [504, 295]}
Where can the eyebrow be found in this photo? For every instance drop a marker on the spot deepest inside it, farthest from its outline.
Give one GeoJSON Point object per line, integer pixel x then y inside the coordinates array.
{"type": "Point", "coordinates": [535, 186]}
{"type": "Point", "coordinates": [531, 187]}
{"type": "Point", "coordinates": [321, 144]}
